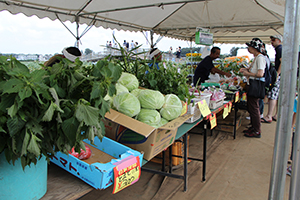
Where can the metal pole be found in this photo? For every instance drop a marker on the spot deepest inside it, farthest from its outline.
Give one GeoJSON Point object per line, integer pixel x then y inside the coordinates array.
{"type": "Point", "coordinates": [286, 102]}
{"type": "Point", "coordinates": [295, 180]}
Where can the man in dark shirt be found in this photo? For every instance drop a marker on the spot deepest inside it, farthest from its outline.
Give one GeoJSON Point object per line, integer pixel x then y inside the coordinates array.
{"type": "Point", "coordinates": [206, 66]}
{"type": "Point", "coordinates": [274, 91]}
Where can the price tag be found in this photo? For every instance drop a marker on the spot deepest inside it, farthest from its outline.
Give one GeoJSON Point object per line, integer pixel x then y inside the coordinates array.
{"type": "Point", "coordinates": [229, 106]}
{"type": "Point", "coordinates": [225, 111]}
{"type": "Point", "coordinates": [184, 109]}
{"type": "Point", "coordinates": [213, 120]}
{"type": "Point", "coordinates": [237, 96]}
{"type": "Point", "coordinates": [204, 108]}
{"type": "Point", "coordinates": [244, 96]}
{"type": "Point", "coordinates": [126, 173]}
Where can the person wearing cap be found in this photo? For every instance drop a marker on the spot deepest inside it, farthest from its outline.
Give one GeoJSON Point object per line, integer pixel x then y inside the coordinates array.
{"type": "Point", "coordinates": [71, 53]}
{"type": "Point", "coordinates": [273, 94]}
{"type": "Point", "coordinates": [256, 70]}
{"type": "Point", "coordinates": [206, 66]}
{"type": "Point", "coordinates": [156, 56]}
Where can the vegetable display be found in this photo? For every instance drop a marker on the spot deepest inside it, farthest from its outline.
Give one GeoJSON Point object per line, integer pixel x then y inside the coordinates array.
{"type": "Point", "coordinates": [171, 108]}
{"type": "Point", "coordinates": [127, 104]}
{"type": "Point", "coordinates": [151, 99]}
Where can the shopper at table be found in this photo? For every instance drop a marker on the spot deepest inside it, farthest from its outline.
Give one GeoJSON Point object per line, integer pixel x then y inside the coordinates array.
{"type": "Point", "coordinates": [206, 66]}
{"type": "Point", "coordinates": [255, 71]}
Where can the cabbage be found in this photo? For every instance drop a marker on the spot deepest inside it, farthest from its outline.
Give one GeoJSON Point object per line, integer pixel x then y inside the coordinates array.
{"type": "Point", "coordinates": [162, 122]}
{"type": "Point", "coordinates": [129, 81]}
{"type": "Point", "coordinates": [127, 104]}
{"type": "Point", "coordinates": [149, 116]}
{"type": "Point", "coordinates": [172, 107]}
{"type": "Point", "coordinates": [136, 92]}
{"type": "Point", "coordinates": [120, 88]}
{"type": "Point", "coordinates": [151, 99]}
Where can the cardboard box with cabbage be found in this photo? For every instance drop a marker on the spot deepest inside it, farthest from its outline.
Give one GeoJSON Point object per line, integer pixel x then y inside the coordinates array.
{"type": "Point", "coordinates": [148, 106]}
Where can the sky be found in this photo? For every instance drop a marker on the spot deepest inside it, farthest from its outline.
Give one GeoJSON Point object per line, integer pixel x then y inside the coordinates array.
{"type": "Point", "coordinates": [31, 35]}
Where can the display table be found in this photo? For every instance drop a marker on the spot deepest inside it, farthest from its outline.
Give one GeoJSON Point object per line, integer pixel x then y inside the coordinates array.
{"type": "Point", "coordinates": [63, 185]}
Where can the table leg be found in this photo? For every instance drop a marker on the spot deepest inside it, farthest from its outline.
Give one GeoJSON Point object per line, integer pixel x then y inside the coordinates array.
{"type": "Point", "coordinates": [185, 161]}
{"type": "Point", "coordinates": [170, 159]}
{"type": "Point", "coordinates": [163, 165]}
{"type": "Point", "coordinates": [204, 150]}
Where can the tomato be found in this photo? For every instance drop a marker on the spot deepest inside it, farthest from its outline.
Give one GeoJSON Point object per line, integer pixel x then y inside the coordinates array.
{"type": "Point", "coordinates": [83, 154]}
{"type": "Point", "coordinates": [74, 153]}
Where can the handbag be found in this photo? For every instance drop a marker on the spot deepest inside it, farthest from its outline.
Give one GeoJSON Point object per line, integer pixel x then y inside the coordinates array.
{"type": "Point", "coordinates": [256, 88]}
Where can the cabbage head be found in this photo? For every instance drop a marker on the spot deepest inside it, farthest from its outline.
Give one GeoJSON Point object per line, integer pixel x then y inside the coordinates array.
{"type": "Point", "coordinates": [151, 99]}
{"type": "Point", "coordinates": [149, 116]}
{"type": "Point", "coordinates": [120, 88]}
{"type": "Point", "coordinates": [127, 104]}
{"type": "Point", "coordinates": [162, 122]}
{"type": "Point", "coordinates": [136, 92]}
{"type": "Point", "coordinates": [129, 81]}
{"type": "Point", "coordinates": [172, 107]}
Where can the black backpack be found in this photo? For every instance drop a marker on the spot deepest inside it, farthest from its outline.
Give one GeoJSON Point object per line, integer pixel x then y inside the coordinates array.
{"type": "Point", "coordinates": [270, 75]}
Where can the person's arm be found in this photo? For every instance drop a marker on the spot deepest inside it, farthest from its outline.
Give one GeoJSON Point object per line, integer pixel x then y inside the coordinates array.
{"type": "Point", "coordinates": [246, 72]}
{"type": "Point", "coordinates": [216, 70]}
{"type": "Point", "coordinates": [279, 69]}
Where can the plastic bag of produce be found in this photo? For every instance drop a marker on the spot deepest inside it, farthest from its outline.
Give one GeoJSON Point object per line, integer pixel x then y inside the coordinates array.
{"type": "Point", "coordinates": [129, 81]}
{"type": "Point", "coordinates": [149, 116]}
{"type": "Point", "coordinates": [151, 99]}
{"type": "Point", "coordinates": [127, 104]}
{"type": "Point", "coordinates": [172, 107]}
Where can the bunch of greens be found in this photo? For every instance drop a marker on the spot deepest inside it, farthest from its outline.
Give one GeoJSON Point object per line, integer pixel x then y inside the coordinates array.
{"type": "Point", "coordinates": [166, 80]}
{"type": "Point", "coordinates": [52, 110]}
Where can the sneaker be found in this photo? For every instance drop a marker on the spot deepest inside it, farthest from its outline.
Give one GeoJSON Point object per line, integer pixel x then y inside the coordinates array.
{"type": "Point", "coordinates": [253, 134]}
{"type": "Point", "coordinates": [249, 130]}
{"type": "Point", "coordinates": [248, 118]}
{"type": "Point", "coordinates": [262, 116]}
{"type": "Point", "coordinates": [289, 171]}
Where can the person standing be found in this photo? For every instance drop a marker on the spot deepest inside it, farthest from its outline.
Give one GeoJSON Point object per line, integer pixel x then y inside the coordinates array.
{"type": "Point", "coordinates": [255, 71]}
{"type": "Point", "coordinates": [178, 53]}
{"type": "Point", "coordinates": [206, 66]}
{"type": "Point", "coordinates": [274, 91]}
{"type": "Point", "coordinates": [170, 53]}
{"type": "Point", "coordinates": [132, 45]}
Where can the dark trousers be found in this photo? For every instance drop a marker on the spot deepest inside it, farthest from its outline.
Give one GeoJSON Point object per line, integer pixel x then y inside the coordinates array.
{"type": "Point", "coordinates": [261, 106]}
{"type": "Point", "coordinates": [253, 109]}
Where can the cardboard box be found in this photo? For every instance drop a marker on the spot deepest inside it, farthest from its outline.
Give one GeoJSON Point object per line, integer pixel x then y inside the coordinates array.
{"type": "Point", "coordinates": [177, 149]}
{"type": "Point", "coordinates": [140, 136]}
{"type": "Point", "coordinates": [97, 171]}
{"type": "Point", "coordinates": [226, 124]}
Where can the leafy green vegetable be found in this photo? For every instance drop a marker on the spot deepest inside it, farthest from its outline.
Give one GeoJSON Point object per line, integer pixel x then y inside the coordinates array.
{"type": "Point", "coordinates": [151, 99]}
{"type": "Point", "coordinates": [129, 81]}
{"type": "Point", "coordinates": [172, 107]}
{"type": "Point", "coordinates": [127, 104]}
{"type": "Point", "coordinates": [150, 117]}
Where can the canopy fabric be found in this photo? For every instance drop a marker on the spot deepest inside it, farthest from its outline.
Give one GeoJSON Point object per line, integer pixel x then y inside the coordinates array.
{"type": "Point", "coordinates": [230, 21]}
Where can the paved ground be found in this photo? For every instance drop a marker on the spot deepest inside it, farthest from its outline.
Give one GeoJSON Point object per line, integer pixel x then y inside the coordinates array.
{"type": "Point", "coordinates": [236, 170]}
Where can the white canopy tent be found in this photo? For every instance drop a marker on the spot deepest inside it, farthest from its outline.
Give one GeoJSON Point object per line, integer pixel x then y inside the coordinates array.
{"type": "Point", "coordinates": [229, 21]}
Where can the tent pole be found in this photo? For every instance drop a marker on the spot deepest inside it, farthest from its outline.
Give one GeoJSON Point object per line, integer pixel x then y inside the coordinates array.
{"type": "Point", "coordinates": [285, 102]}
{"type": "Point", "coordinates": [295, 180]}
{"type": "Point", "coordinates": [77, 31]}
{"type": "Point", "coordinates": [151, 39]}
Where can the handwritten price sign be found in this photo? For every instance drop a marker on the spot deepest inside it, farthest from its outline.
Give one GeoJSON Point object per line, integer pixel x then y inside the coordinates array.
{"type": "Point", "coordinates": [225, 111]}
{"type": "Point", "coordinates": [237, 96]}
{"type": "Point", "coordinates": [213, 120]}
{"type": "Point", "coordinates": [204, 108]}
{"type": "Point", "coordinates": [229, 106]}
{"type": "Point", "coordinates": [126, 173]}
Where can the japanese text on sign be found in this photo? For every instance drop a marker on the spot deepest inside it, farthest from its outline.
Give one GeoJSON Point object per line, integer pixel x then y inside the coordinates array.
{"type": "Point", "coordinates": [126, 173]}
{"type": "Point", "coordinates": [203, 107]}
{"type": "Point", "coordinates": [213, 120]}
{"type": "Point", "coordinates": [237, 96]}
{"type": "Point", "coordinates": [225, 111]}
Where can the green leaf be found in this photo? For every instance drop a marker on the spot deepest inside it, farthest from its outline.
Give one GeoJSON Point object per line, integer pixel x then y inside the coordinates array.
{"type": "Point", "coordinates": [33, 146]}
{"type": "Point", "coordinates": [25, 143]}
{"type": "Point", "coordinates": [12, 86]}
{"type": "Point", "coordinates": [49, 113]}
{"type": "Point", "coordinates": [25, 93]}
{"type": "Point", "coordinates": [70, 127]}
{"type": "Point", "coordinates": [15, 125]}
{"type": "Point", "coordinates": [12, 110]}
{"type": "Point", "coordinates": [86, 113]}
{"type": "Point", "coordinates": [96, 91]}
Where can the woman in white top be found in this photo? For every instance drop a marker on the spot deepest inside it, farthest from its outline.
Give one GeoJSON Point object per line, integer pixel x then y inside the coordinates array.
{"type": "Point", "coordinates": [256, 70]}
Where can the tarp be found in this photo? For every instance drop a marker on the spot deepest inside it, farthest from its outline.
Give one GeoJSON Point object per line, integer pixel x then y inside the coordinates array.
{"type": "Point", "coordinates": [230, 21]}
